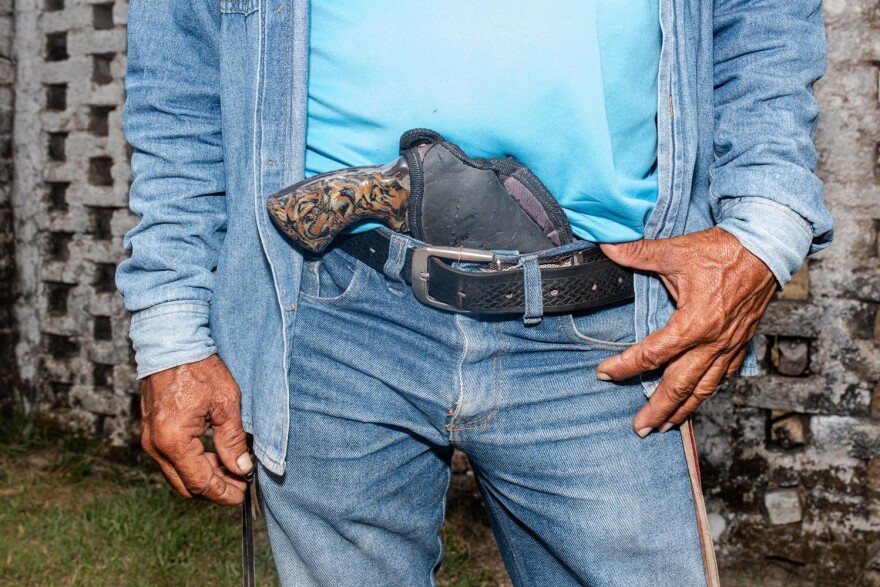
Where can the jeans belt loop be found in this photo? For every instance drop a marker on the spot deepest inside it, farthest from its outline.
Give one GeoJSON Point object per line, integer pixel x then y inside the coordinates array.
{"type": "Point", "coordinates": [534, 293]}
{"type": "Point", "coordinates": [396, 258]}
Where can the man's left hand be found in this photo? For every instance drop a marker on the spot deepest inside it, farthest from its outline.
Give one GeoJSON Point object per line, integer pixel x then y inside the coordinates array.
{"type": "Point", "coordinates": [721, 291]}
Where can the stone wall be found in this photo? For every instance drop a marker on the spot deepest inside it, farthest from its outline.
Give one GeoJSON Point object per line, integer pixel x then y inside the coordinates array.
{"type": "Point", "coordinates": [8, 334]}
{"type": "Point", "coordinates": [791, 459]}
{"type": "Point", "coordinates": [71, 184]}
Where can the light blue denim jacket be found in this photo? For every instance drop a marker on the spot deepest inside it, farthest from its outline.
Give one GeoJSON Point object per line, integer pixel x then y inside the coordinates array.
{"type": "Point", "coordinates": [216, 111]}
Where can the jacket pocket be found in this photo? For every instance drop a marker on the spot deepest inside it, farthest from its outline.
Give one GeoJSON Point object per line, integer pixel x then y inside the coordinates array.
{"type": "Point", "coordinates": [238, 6]}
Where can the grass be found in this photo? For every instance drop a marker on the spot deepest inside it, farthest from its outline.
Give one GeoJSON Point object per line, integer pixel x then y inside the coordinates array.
{"type": "Point", "coordinates": [70, 517]}
{"type": "Point", "coordinates": [112, 527]}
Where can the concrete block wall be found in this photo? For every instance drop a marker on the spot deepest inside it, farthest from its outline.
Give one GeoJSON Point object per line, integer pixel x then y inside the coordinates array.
{"type": "Point", "coordinates": [72, 180]}
{"type": "Point", "coordinates": [8, 331]}
{"type": "Point", "coordinates": [791, 459]}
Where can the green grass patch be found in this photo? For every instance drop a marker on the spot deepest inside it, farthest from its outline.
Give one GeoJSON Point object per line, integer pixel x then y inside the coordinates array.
{"type": "Point", "coordinates": [69, 516]}
{"type": "Point", "coordinates": [57, 529]}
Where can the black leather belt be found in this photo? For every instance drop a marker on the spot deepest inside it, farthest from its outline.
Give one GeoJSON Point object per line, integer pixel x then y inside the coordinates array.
{"type": "Point", "coordinates": [580, 281]}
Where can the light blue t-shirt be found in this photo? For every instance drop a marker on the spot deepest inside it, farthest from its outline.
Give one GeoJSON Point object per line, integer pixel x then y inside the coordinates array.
{"type": "Point", "coordinates": [568, 87]}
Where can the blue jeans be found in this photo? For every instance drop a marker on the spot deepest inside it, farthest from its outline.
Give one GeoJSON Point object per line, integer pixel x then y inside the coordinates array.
{"type": "Point", "coordinates": [384, 388]}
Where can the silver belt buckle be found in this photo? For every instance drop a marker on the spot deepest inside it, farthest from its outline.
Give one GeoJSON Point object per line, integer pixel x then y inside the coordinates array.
{"type": "Point", "coordinates": [420, 276]}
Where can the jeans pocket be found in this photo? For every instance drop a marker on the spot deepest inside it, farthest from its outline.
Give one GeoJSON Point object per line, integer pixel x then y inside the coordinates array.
{"type": "Point", "coordinates": [334, 278]}
{"type": "Point", "coordinates": [610, 327]}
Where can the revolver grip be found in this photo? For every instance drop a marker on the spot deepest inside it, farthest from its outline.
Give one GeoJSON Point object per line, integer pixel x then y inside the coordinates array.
{"type": "Point", "coordinates": [315, 210]}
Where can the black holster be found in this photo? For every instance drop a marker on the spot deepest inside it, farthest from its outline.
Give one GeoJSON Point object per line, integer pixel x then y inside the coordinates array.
{"type": "Point", "coordinates": [457, 200]}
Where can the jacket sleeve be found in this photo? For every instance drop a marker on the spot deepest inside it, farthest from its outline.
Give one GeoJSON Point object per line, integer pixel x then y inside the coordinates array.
{"type": "Point", "coordinates": [172, 120]}
{"type": "Point", "coordinates": [767, 56]}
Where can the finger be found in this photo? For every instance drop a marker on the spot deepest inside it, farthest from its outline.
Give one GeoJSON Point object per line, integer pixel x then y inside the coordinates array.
{"type": "Point", "coordinates": [230, 438]}
{"type": "Point", "coordinates": [165, 467]}
{"type": "Point", "coordinates": [703, 391]}
{"type": "Point", "coordinates": [735, 364]}
{"type": "Point", "coordinates": [222, 488]}
{"type": "Point", "coordinates": [219, 469]}
{"type": "Point", "coordinates": [657, 349]}
{"type": "Point", "coordinates": [202, 478]}
{"type": "Point", "coordinates": [679, 382]}
{"type": "Point", "coordinates": [172, 477]}
{"type": "Point", "coordinates": [645, 254]}
{"type": "Point", "coordinates": [181, 447]}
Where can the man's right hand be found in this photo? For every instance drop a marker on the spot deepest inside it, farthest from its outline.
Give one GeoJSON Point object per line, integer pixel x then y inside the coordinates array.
{"type": "Point", "coordinates": [177, 406]}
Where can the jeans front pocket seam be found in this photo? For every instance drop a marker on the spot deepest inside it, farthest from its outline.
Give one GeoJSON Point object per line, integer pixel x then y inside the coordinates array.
{"type": "Point", "coordinates": [568, 327]}
{"type": "Point", "coordinates": [355, 288]}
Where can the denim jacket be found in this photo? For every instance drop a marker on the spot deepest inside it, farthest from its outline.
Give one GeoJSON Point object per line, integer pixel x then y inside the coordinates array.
{"type": "Point", "coordinates": [216, 111]}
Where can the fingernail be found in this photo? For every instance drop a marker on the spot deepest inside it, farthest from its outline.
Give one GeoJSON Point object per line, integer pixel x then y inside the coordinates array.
{"type": "Point", "coordinates": [245, 463]}
{"type": "Point", "coordinates": [666, 427]}
{"type": "Point", "coordinates": [603, 376]}
{"type": "Point", "coordinates": [644, 431]}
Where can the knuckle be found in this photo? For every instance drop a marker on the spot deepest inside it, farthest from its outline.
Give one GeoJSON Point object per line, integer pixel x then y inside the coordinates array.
{"type": "Point", "coordinates": [651, 357]}
{"type": "Point", "coordinates": [198, 486]}
{"type": "Point", "coordinates": [678, 390]}
{"type": "Point", "coordinates": [234, 438]}
{"type": "Point", "coordinates": [705, 392]}
{"type": "Point", "coordinates": [165, 440]}
{"type": "Point", "coordinates": [636, 248]}
{"type": "Point", "coordinates": [679, 393]}
{"type": "Point", "coordinates": [228, 405]}
{"type": "Point", "coordinates": [213, 488]}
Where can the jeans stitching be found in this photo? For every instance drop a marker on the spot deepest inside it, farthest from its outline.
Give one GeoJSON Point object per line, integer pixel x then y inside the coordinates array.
{"type": "Point", "coordinates": [474, 422]}
{"type": "Point", "coordinates": [398, 280]}
{"type": "Point", "coordinates": [355, 288]}
{"type": "Point", "coordinates": [458, 382]}
{"type": "Point", "coordinates": [501, 522]}
{"type": "Point", "coordinates": [400, 250]}
{"type": "Point", "coordinates": [481, 422]}
{"type": "Point", "coordinates": [238, 6]}
{"type": "Point", "coordinates": [522, 572]}
{"type": "Point", "coordinates": [571, 333]}
{"type": "Point", "coordinates": [443, 517]}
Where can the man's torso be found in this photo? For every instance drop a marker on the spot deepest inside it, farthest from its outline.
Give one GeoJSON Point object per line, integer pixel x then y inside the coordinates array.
{"type": "Point", "coordinates": [571, 92]}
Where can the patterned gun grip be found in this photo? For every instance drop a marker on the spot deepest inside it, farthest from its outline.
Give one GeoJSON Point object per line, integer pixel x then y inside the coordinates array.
{"type": "Point", "coordinates": [315, 210]}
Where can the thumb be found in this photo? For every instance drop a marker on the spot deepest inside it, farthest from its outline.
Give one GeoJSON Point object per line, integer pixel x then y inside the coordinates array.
{"type": "Point", "coordinates": [645, 254]}
{"type": "Point", "coordinates": [230, 440]}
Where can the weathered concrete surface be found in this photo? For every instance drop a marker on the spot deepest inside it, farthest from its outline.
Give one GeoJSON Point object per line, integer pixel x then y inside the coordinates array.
{"type": "Point", "coordinates": [70, 200]}
{"type": "Point", "coordinates": [791, 459]}
{"type": "Point", "coordinates": [8, 330]}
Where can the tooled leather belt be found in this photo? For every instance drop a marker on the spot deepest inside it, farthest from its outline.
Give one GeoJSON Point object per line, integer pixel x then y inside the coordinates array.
{"type": "Point", "coordinates": [569, 282]}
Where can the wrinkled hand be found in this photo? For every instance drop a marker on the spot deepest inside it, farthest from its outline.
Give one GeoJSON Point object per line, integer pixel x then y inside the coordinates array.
{"type": "Point", "coordinates": [721, 291]}
{"type": "Point", "coordinates": [177, 406]}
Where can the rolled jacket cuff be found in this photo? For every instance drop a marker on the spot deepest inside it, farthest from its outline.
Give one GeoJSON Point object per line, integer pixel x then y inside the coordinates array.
{"type": "Point", "coordinates": [171, 334]}
{"type": "Point", "coordinates": [773, 233]}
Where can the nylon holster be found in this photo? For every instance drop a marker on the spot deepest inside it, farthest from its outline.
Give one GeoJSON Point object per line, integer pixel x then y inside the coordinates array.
{"type": "Point", "coordinates": [497, 203]}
